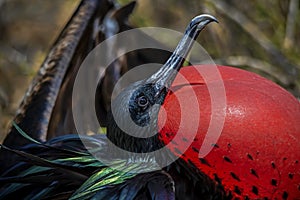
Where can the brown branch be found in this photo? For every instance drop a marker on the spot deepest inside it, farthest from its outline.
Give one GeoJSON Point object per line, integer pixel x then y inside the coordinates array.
{"type": "Point", "coordinates": [265, 67]}
{"type": "Point", "coordinates": [278, 59]}
{"type": "Point", "coordinates": [289, 39]}
{"type": "Point", "coordinates": [255, 64]}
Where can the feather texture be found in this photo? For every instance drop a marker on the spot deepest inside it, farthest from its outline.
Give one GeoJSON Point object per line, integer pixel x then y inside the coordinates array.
{"type": "Point", "coordinates": [52, 173]}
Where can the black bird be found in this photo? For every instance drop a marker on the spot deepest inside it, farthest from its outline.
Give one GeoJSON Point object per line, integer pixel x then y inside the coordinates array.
{"type": "Point", "coordinates": [62, 167]}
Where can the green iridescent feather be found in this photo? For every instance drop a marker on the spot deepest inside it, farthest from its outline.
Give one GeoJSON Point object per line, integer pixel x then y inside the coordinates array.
{"type": "Point", "coordinates": [100, 178]}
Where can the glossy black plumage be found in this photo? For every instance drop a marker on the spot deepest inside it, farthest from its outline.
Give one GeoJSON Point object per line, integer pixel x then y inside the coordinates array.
{"type": "Point", "coordinates": [61, 166]}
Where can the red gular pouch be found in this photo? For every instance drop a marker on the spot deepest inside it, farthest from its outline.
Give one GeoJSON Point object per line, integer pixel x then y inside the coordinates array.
{"type": "Point", "coordinates": [238, 128]}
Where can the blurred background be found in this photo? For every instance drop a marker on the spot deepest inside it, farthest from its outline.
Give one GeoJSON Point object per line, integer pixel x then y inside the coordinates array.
{"type": "Point", "coordinates": [260, 36]}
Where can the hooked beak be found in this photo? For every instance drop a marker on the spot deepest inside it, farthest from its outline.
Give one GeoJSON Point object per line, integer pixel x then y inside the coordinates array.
{"type": "Point", "coordinates": [165, 76]}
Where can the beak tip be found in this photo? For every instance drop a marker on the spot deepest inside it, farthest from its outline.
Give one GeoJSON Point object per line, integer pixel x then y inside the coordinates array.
{"type": "Point", "coordinates": [216, 20]}
{"type": "Point", "coordinates": [206, 18]}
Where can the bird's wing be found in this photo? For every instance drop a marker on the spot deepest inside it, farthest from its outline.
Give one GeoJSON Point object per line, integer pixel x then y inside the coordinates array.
{"type": "Point", "coordinates": [72, 45]}
{"type": "Point", "coordinates": [53, 169]}
{"type": "Point", "coordinates": [63, 168]}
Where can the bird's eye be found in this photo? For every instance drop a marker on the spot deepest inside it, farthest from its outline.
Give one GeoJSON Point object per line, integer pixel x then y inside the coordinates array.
{"type": "Point", "coordinates": [142, 101]}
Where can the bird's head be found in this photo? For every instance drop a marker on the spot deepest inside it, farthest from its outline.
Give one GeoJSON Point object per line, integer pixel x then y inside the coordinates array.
{"type": "Point", "coordinates": [133, 118]}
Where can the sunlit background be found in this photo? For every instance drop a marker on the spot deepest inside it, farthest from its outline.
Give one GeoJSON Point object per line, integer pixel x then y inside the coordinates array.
{"type": "Point", "coordinates": [260, 36]}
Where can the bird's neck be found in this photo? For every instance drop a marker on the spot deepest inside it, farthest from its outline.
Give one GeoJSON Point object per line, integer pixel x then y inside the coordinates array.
{"type": "Point", "coordinates": [130, 143]}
